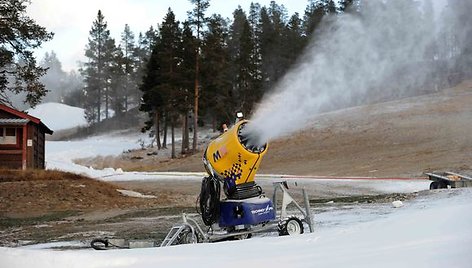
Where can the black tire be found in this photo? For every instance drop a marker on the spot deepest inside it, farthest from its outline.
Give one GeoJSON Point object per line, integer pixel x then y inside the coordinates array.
{"type": "Point", "coordinates": [291, 226]}
{"type": "Point", "coordinates": [442, 185]}
{"type": "Point", "coordinates": [434, 185]}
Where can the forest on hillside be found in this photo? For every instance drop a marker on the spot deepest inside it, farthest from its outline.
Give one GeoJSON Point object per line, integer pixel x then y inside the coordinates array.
{"type": "Point", "coordinates": [185, 74]}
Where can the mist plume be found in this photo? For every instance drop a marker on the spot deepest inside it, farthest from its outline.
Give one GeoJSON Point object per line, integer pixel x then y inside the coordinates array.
{"type": "Point", "coordinates": [385, 50]}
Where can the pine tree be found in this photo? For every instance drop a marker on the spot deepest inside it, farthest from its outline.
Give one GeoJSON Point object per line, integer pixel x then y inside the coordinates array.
{"type": "Point", "coordinates": [152, 100]}
{"type": "Point", "coordinates": [142, 53]}
{"type": "Point", "coordinates": [110, 55]}
{"type": "Point", "coordinates": [314, 13]}
{"type": "Point", "coordinates": [19, 34]}
{"type": "Point", "coordinates": [162, 82]}
{"type": "Point", "coordinates": [254, 19]}
{"type": "Point", "coordinates": [293, 42]}
{"type": "Point", "coordinates": [187, 70]}
{"type": "Point", "coordinates": [99, 52]}
{"type": "Point", "coordinates": [273, 21]}
{"type": "Point", "coordinates": [169, 52]}
{"type": "Point", "coordinates": [128, 65]}
{"type": "Point", "coordinates": [246, 75]}
{"type": "Point", "coordinates": [216, 73]}
{"type": "Point", "coordinates": [197, 19]}
{"type": "Point", "coordinates": [119, 83]}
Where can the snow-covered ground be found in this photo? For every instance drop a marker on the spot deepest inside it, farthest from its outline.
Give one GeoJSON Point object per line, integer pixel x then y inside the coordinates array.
{"type": "Point", "coordinates": [58, 116]}
{"type": "Point", "coordinates": [60, 154]}
{"type": "Point", "coordinates": [432, 230]}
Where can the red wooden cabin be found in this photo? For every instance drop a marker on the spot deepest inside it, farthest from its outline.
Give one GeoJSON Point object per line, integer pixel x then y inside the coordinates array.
{"type": "Point", "coordinates": [22, 139]}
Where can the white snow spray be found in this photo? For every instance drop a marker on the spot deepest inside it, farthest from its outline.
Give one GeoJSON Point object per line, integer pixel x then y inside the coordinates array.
{"type": "Point", "coordinates": [354, 59]}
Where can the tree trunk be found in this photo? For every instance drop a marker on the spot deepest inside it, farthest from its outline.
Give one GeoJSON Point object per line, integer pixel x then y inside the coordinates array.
{"type": "Point", "coordinates": [184, 134]}
{"type": "Point", "coordinates": [99, 104]}
{"type": "Point", "coordinates": [172, 123]}
{"type": "Point", "coordinates": [157, 131]}
{"type": "Point", "coordinates": [106, 102]}
{"type": "Point", "coordinates": [195, 108]}
{"type": "Point", "coordinates": [164, 139]}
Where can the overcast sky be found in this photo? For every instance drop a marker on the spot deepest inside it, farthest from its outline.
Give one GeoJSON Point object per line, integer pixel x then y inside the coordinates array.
{"type": "Point", "coordinates": [71, 21]}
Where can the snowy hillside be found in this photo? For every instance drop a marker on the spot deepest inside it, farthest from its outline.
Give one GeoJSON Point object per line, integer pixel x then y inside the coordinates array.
{"type": "Point", "coordinates": [58, 116]}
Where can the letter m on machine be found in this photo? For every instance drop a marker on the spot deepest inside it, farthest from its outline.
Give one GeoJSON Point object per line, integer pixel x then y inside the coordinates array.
{"type": "Point", "coordinates": [219, 153]}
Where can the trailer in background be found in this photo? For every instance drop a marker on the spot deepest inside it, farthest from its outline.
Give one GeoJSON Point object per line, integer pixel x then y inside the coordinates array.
{"type": "Point", "coordinates": [441, 180]}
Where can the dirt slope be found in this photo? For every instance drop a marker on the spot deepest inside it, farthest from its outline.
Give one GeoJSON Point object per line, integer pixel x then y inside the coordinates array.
{"type": "Point", "coordinates": [37, 193]}
{"type": "Point", "coordinates": [398, 138]}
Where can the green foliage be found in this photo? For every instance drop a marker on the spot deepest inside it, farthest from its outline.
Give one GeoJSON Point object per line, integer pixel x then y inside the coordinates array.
{"type": "Point", "coordinates": [216, 79]}
{"type": "Point", "coordinates": [19, 35]}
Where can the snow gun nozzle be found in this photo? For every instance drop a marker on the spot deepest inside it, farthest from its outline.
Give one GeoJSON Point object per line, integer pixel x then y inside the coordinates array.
{"type": "Point", "coordinates": [250, 139]}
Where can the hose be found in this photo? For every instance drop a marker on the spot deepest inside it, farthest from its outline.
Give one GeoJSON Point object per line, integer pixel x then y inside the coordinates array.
{"type": "Point", "coordinates": [210, 200]}
{"type": "Point", "coordinates": [103, 244]}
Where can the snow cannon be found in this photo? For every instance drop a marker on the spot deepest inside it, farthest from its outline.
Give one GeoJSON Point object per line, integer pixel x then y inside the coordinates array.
{"type": "Point", "coordinates": [232, 160]}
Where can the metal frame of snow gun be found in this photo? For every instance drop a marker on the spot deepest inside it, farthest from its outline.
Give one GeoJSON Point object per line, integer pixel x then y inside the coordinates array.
{"type": "Point", "coordinates": [189, 230]}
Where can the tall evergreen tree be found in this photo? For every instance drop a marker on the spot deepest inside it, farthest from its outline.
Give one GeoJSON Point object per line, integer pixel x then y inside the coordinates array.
{"type": "Point", "coordinates": [119, 83]}
{"type": "Point", "coordinates": [292, 41]}
{"type": "Point", "coordinates": [169, 52]}
{"type": "Point", "coordinates": [99, 52]}
{"type": "Point", "coordinates": [187, 70]}
{"type": "Point", "coordinates": [152, 100]}
{"type": "Point", "coordinates": [273, 22]}
{"type": "Point", "coordinates": [198, 20]}
{"type": "Point", "coordinates": [111, 54]}
{"type": "Point", "coordinates": [142, 53]}
{"type": "Point", "coordinates": [19, 34]}
{"type": "Point", "coordinates": [216, 73]}
{"type": "Point", "coordinates": [129, 66]}
{"type": "Point", "coordinates": [162, 83]}
{"type": "Point", "coordinates": [314, 13]}
{"type": "Point", "coordinates": [246, 89]}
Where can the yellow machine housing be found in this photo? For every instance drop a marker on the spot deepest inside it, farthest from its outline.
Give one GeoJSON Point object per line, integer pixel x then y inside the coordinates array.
{"type": "Point", "coordinates": [231, 158]}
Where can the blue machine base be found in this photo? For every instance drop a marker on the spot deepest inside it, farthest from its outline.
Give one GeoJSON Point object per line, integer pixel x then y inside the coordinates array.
{"type": "Point", "coordinates": [249, 211]}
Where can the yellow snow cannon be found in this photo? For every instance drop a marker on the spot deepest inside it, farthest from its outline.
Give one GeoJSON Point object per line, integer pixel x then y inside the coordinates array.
{"type": "Point", "coordinates": [233, 159]}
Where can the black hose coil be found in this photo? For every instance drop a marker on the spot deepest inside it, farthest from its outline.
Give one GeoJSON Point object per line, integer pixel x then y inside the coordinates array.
{"type": "Point", "coordinates": [210, 200]}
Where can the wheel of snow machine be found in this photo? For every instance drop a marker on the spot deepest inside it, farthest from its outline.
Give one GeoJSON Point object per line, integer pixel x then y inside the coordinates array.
{"type": "Point", "coordinates": [442, 185]}
{"type": "Point", "coordinates": [291, 226]}
{"type": "Point", "coordinates": [187, 237]}
{"type": "Point", "coordinates": [434, 185]}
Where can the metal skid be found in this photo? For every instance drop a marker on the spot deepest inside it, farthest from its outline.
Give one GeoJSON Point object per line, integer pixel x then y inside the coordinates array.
{"type": "Point", "coordinates": [189, 231]}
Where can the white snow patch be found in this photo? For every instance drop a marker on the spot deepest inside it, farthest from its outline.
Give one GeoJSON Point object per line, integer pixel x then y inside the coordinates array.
{"type": "Point", "coordinates": [397, 204]}
{"type": "Point", "coordinates": [58, 116]}
{"type": "Point", "coordinates": [61, 154]}
{"type": "Point", "coordinates": [135, 194]}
